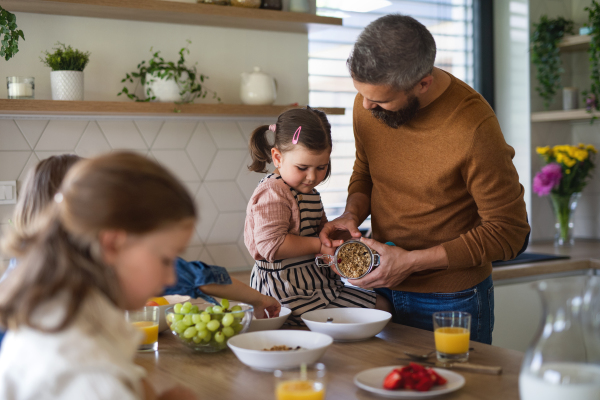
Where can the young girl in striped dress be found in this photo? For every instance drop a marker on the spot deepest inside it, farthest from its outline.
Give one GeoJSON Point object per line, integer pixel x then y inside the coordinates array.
{"type": "Point", "coordinates": [285, 214]}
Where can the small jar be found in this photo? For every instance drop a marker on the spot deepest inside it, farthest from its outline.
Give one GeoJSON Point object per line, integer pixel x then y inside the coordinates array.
{"type": "Point", "coordinates": [570, 98]}
{"type": "Point", "coordinates": [272, 4]}
{"type": "Point", "coordinates": [301, 6]}
{"type": "Point", "coordinates": [349, 252]}
{"type": "Point", "coordinates": [20, 87]}
{"type": "Point", "coordinates": [246, 3]}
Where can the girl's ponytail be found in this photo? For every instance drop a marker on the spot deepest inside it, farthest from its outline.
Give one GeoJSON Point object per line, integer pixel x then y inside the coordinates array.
{"type": "Point", "coordinates": [260, 149]}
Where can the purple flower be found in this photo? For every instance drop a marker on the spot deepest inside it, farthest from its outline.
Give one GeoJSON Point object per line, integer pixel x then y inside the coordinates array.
{"type": "Point", "coordinates": [547, 179]}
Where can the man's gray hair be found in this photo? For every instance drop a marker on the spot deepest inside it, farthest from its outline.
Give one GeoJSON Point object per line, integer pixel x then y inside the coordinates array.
{"type": "Point", "coordinates": [394, 50]}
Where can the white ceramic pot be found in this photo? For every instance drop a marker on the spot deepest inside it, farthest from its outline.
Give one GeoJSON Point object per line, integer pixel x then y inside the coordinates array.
{"type": "Point", "coordinates": [67, 85]}
{"type": "Point", "coordinates": [258, 88]}
{"type": "Point", "coordinates": [165, 90]}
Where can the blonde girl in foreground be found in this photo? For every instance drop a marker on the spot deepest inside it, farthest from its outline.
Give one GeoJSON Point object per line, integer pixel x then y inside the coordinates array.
{"type": "Point", "coordinates": [106, 244]}
{"type": "Point", "coordinates": [285, 215]}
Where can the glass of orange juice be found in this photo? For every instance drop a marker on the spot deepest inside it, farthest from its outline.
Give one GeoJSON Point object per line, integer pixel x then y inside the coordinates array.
{"type": "Point", "coordinates": [451, 330]}
{"type": "Point", "coordinates": [146, 321]}
{"type": "Point", "coordinates": [301, 383]}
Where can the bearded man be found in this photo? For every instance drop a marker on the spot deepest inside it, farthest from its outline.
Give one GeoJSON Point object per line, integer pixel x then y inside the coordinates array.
{"type": "Point", "coordinates": [435, 173]}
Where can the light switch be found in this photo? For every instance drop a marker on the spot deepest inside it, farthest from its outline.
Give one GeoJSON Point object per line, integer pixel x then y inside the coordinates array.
{"type": "Point", "coordinates": [8, 192]}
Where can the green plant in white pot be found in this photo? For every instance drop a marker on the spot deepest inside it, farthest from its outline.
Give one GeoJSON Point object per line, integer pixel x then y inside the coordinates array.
{"type": "Point", "coordinates": [67, 66]}
{"type": "Point", "coordinates": [167, 81]}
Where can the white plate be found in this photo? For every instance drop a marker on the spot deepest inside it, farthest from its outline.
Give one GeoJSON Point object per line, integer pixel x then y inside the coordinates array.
{"type": "Point", "coordinates": [371, 380]}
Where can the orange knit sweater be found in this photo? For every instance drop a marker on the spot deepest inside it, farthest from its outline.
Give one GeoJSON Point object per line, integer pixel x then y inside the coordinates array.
{"type": "Point", "coordinates": [445, 178]}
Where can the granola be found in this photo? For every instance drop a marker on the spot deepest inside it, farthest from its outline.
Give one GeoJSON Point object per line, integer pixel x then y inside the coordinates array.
{"type": "Point", "coordinates": [354, 260]}
{"type": "Point", "coordinates": [282, 347]}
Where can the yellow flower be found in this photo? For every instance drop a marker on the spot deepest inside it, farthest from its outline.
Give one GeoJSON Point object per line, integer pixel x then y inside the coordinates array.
{"type": "Point", "coordinates": [543, 150]}
{"type": "Point", "coordinates": [564, 159]}
{"type": "Point", "coordinates": [568, 171]}
{"type": "Point", "coordinates": [572, 151]}
{"type": "Point", "coordinates": [581, 146]}
{"type": "Point", "coordinates": [591, 148]}
{"type": "Point", "coordinates": [581, 155]}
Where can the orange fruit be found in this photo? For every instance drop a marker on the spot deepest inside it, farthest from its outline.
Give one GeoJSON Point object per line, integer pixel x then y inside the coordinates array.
{"type": "Point", "coordinates": [160, 301]}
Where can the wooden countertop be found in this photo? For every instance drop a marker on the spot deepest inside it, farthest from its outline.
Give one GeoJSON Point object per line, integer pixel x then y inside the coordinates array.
{"type": "Point", "coordinates": [222, 376]}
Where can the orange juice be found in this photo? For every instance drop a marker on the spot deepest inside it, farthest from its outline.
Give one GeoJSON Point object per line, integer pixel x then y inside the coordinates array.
{"type": "Point", "coordinates": [149, 329]}
{"type": "Point", "coordinates": [300, 390]}
{"type": "Point", "coordinates": [452, 340]}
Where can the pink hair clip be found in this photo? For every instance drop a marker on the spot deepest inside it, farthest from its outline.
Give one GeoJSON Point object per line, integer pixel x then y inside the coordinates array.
{"type": "Point", "coordinates": [296, 135]}
{"type": "Point", "coordinates": [272, 127]}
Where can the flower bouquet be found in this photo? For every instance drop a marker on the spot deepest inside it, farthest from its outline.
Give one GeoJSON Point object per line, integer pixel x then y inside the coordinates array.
{"type": "Point", "coordinates": [566, 173]}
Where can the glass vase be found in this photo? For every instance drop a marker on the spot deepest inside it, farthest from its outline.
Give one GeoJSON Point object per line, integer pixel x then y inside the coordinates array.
{"type": "Point", "coordinates": [564, 208]}
{"type": "Point", "coordinates": [562, 361]}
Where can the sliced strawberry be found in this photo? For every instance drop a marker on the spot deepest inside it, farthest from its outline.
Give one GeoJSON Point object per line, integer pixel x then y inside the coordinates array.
{"type": "Point", "coordinates": [424, 385]}
{"type": "Point", "coordinates": [440, 379]}
{"type": "Point", "coordinates": [393, 381]}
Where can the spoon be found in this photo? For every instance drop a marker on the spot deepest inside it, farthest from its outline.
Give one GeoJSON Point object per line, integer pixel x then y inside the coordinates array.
{"type": "Point", "coordinates": [424, 356]}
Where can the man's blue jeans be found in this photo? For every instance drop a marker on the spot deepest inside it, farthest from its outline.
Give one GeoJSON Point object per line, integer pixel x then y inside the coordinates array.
{"type": "Point", "coordinates": [416, 309]}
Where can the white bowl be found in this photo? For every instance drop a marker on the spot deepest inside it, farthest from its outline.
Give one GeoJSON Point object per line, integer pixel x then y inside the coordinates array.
{"type": "Point", "coordinates": [248, 348]}
{"type": "Point", "coordinates": [172, 299]}
{"type": "Point", "coordinates": [349, 324]}
{"type": "Point", "coordinates": [270, 324]}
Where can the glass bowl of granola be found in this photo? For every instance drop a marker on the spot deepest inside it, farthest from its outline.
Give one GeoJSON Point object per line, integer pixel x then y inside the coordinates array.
{"type": "Point", "coordinates": [352, 260]}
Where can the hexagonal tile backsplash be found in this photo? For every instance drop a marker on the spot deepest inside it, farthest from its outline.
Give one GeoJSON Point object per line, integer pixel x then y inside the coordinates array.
{"type": "Point", "coordinates": [209, 155]}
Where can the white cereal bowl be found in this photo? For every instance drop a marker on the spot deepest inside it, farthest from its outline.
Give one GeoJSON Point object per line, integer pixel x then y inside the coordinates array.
{"type": "Point", "coordinates": [248, 348]}
{"type": "Point", "coordinates": [270, 324]}
{"type": "Point", "coordinates": [349, 324]}
{"type": "Point", "coordinates": [172, 299]}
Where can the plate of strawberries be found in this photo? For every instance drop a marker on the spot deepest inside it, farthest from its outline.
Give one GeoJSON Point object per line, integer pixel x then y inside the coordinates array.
{"type": "Point", "coordinates": [412, 381]}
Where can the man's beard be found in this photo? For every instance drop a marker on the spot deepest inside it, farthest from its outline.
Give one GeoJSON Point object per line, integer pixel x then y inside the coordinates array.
{"type": "Point", "coordinates": [395, 119]}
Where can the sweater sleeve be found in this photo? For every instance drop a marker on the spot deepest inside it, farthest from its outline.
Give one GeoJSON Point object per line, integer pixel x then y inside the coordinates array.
{"type": "Point", "coordinates": [272, 215]}
{"type": "Point", "coordinates": [492, 180]}
{"type": "Point", "coordinates": [360, 181]}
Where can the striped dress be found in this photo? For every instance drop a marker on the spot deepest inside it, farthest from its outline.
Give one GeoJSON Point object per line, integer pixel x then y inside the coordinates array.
{"type": "Point", "coordinates": [297, 282]}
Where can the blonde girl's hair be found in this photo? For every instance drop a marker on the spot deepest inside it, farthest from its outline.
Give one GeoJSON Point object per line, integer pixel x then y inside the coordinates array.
{"type": "Point", "coordinates": [314, 136]}
{"type": "Point", "coordinates": [40, 186]}
{"type": "Point", "coordinates": [61, 254]}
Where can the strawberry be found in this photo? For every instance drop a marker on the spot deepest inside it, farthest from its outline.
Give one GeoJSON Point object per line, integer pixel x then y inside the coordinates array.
{"type": "Point", "coordinates": [393, 380]}
{"type": "Point", "coordinates": [424, 384]}
{"type": "Point", "coordinates": [440, 380]}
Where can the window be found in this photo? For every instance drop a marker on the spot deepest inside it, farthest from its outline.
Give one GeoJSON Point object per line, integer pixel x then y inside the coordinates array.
{"type": "Point", "coordinates": [330, 85]}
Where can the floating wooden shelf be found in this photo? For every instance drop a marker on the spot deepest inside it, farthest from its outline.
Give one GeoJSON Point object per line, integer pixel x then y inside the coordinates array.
{"type": "Point", "coordinates": [50, 107]}
{"type": "Point", "coordinates": [575, 43]}
{"type": "Point", "coordinates": [568, 115]}
{"type": "Point", "coordinates": [178, 13]}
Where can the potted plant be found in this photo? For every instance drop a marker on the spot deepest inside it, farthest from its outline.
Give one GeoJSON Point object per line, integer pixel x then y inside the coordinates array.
{"type": "Point", "coordinates": [591, 96]}
{"type": "Point", "coordinates": [66, 78]}
{"type": "Point", "coordinates": [545, 55]}
{"type": "Point", "coordinates": [10, 34]}
{"type": "Point", "coordinates": [567, 171]}
{"type": "Point", "coordinates": [167, 81]}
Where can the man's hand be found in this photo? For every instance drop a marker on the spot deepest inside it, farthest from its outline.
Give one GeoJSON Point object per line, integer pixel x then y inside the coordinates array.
{"type": "Point", "coordinates": [345, 223]}
{"type": "Point", "coordinates": [398, 264]}
{"type": "Point", "coordinates": [394, 268]}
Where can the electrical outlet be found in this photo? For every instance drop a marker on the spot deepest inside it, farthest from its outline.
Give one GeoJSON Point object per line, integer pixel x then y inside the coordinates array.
{"type": "Point", "coordinates": [8, 192]}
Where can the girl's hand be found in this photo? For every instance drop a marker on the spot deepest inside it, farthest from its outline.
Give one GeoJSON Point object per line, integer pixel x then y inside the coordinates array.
{"type": "Point", "coordinates": [268, 303]}
{"type": "Point", "coordinates": [330, 250]}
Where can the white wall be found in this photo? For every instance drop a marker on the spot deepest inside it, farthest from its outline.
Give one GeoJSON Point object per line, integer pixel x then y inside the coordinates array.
{"type": "Point", "coordinates": [209, 154]}
{"type": "Point", "coordinates": [118, 46]}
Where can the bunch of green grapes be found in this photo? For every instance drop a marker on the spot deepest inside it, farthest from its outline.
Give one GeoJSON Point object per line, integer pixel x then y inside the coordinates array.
{"type": "Point", "coordinates": [214, 325]}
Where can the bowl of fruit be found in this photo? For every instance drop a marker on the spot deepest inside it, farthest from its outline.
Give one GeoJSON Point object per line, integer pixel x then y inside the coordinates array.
{"type": "Point", "coordinates": [206, 327]}
{"type": "Point", "coordinates": [163, 303]}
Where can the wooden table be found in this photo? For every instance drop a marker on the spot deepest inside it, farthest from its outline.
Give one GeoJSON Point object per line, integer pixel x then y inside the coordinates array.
{"type": "Point", "coordinates": [222, 376]}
